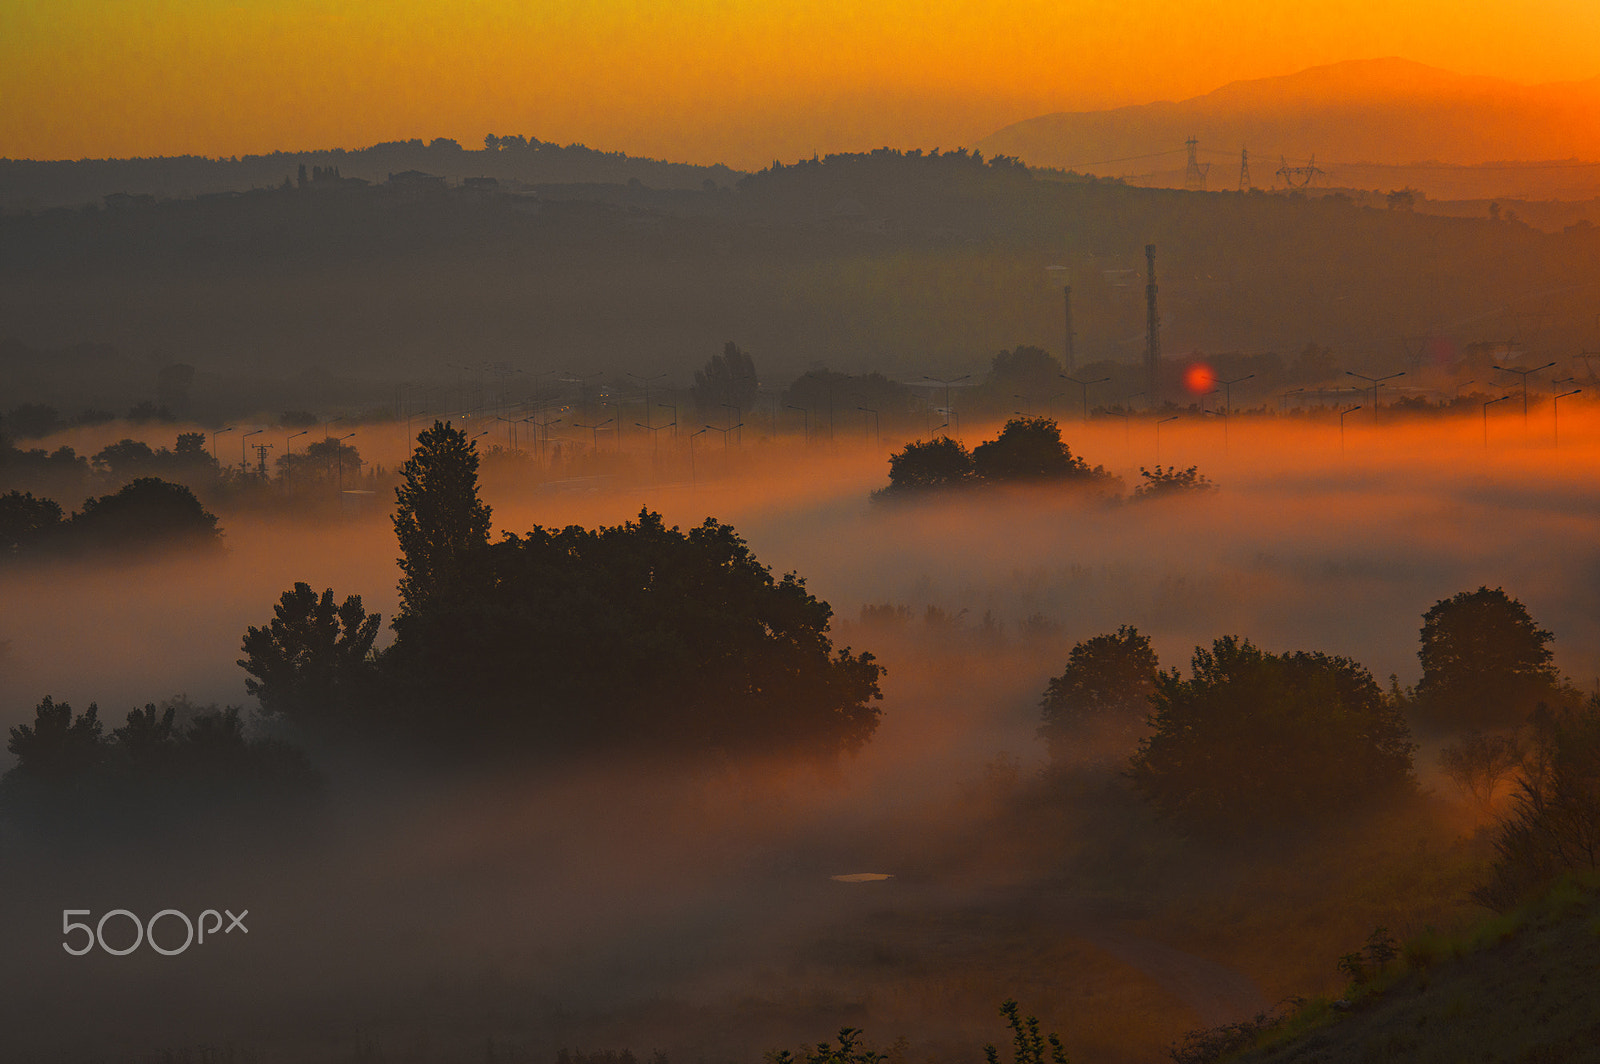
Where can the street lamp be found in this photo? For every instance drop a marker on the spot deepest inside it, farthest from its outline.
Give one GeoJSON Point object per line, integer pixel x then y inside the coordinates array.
{"type": "Point", "coordinates": [1486, 407]}
{"type": "Point", "coordinates": [1342, 413]}
{"type": "Point", "coordinates": [214, 436]}
{"type": "Point", "coordinates": [948, 417]}
{"type": "Point", "coordinates": [807, 412]}
{"type": "Point", "coordinates": [725, 432]}
{"type": "Point", "coordinates": [654, 431]}
{"type": "Point", "coordinates": [1555, 412]}
{"type": "Point", "coordinates": [646, 381]}
{"type": "Point", "coordinates": [1084, 385]}
{"type": "Point", "coordinates": [1163, 421]}
{"type": "Point", "coordinates": [339, 450]}
{"type": "Point", "coordinates": [594, 431]}
{"type": "Point", "coordinates": [244, 448]}
{"type": "Point", "coordinates": [1524, 373]}
{"type": "Point", "coordinates": [1375, 381]}
{"type": "Point", "coordinates": [1227, 395]}
{"type": "Point", "coordinates": [692, 435]}
{"type": "Point", "coordinates": [876, 440]}
{"type": "Point", "coordinates": [674, 408]}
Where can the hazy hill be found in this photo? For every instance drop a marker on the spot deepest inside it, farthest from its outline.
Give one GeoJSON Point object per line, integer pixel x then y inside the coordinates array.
{"type": "Point", "coordinates": [29, 184]}
{"type": "Point", "coordinates": [908, 264]}
{"type": "Point", "coordinates": [1384, 114]}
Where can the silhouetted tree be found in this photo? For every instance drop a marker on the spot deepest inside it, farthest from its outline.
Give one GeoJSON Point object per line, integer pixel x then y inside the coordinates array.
{"type": "Point", "coordinates": [1485, 663]}
{"type": "Point", "coordinates": [938, 463]}
{"type": "Point", "coordinates": [148, 512]}
{"type": "Point", "coordinates": [1170, 480]}
{"type": "Point", "coordinates": [1479, 762]}
{"type": "Point", "coordinates": [637, 636]}
{"type": "Point", "coordinates": [1554, 825]}
{"type": "Point", "coordinates": [32, 420]}
{"type": "Point", "coordinates": [1107, 685]}
{"type": "Point", "coordinates": [327, 459]}
{"type": "Point", "coordinates": [1029, 371]}
{"type": "Point", "coordinates": [1031, 448]}
{"type": "Point", "coordinates": [125, 458]}
{"type": "Point", "coordinates": [728, 378]}
{"type": "Point", "coordinates": [1256, 739]}
{"type": "Point", "coordinates": [313, 662]}
{"type": "Point", "coordinates": [57, 746]}
{"type": "Point", "coordinates": [26, 522]}
{"type": "Point", "coordinates": [439, 519]}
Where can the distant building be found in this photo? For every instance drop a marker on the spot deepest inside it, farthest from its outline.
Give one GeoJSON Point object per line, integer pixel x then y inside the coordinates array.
{"type": "Point", "coordinates": [416, 180]}
{"type": "Point", "coordinates": [124, 201]}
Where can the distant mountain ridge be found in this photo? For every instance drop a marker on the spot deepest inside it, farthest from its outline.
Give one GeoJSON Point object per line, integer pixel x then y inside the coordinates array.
{"type": "Point", "coordinates": [41, 184]}
{"type": "Point", "coordinates": [1390, 112]}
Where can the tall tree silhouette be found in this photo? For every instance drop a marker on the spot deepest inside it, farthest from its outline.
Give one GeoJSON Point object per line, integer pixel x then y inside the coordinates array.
{"type": "Point", "coordinates": [439, 520]}
{"type": "Point", "coordinates": [1485, 663]}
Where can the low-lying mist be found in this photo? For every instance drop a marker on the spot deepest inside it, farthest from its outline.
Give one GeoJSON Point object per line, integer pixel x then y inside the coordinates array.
{"type": "Point", "coordinates": [440, 917]}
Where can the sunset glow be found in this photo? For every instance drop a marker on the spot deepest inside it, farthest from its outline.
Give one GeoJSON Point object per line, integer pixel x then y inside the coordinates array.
{"type": "Point", "coordinates": [736, 81]}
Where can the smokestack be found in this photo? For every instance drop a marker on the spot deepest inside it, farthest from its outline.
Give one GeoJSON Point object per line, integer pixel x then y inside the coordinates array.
{"type": "Point", "coordinates": [1152, 346]}
{"type": "Point", "coordinates": [1070, 359]}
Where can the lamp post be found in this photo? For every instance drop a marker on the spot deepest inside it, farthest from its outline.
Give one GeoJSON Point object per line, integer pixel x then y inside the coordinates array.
{"type": "Point", "coordinates": [807, 412]}
{"type": "Point", "coordinates": [244, 448]}
{"type": "Point", "coordinates": [1084, 385]}
{"type": "Point", "coordinates": [1555, 412]}
{"type": "Point", "coordinates": [1524, 374]}
{"type": "Point", "coordinates": [1127, 427]}
{"type": "Point", "coordinates": [948, 416]}
{"type": "Point", "coordinates": [646, 381]}
{"type": "Point", "coordinates": [214, 436]}
{"type": "Point", "coordinates": [655, 436]}
{"type": "Point", "coordinates": [594, 431]}
{"type": "Point", "coordinates": [288, 448]}
{"type": "Point", "coordinates": [725, 432]}
{"type": "Point", "coordinates": [1375, 381]}
{"type": "Point", "coordinates": [674, 408]}
{"type": "Point", "coordinates": [1163, 421]}
{"type": "Point", "coordinates": [876, 440]}
{"type": "Point", "coordinates": [1342, 413]}
{"type": "Point", "coordinates": [339, 451]}
{"type": "Point", "coordinates": [1486, 407]}
{"type": "Point", "coordinates": [692, 435]}
{"type": "Point", "coordinates": [1227, 395]}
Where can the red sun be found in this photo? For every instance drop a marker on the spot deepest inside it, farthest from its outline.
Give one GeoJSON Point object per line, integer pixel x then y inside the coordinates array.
{"type": "Point", "coordinates": [1199, 378]}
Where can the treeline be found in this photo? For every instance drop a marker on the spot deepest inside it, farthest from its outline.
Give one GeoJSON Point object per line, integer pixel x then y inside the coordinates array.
{"type": "Point", "coordinates": [638, 638]}
{"type": "Point", "coordinates": [904, 264]}
{"type": "Point", "coordinates": [1253, 740]}
{"type": "Point", "coordinates": [145, 515]}
{"type": "Point", "coordinates": [1028, 450]}
{"type": "Point", "coordinates": [169, 763]}
{"type": "Point", "coordinates": [36, 184]}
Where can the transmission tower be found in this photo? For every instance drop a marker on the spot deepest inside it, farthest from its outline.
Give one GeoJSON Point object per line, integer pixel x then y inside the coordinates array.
{"type": "Point", "coordinates": [1299, 176]}
{"type": "Point", "coordinates": [1152, 345]}
{"type": "Point", "coordinates": [261, 457]}
{"type": "Point", "coordinates": [1194, 177]}
{"type": "Point", "coordinates": [1245, 184]}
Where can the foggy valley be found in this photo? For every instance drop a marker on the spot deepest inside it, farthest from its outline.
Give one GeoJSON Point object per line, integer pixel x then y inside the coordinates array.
{"type": "Point", "coordinates": [541, 603]}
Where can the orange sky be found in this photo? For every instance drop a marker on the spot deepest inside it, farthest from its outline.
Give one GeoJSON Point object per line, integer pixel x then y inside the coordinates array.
{"type": "Point", "coordinates": [737, 81]}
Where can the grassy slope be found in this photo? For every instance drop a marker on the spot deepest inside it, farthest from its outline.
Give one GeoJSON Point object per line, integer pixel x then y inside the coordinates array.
{"type": "Point", "coordinates": [1518, 988]}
